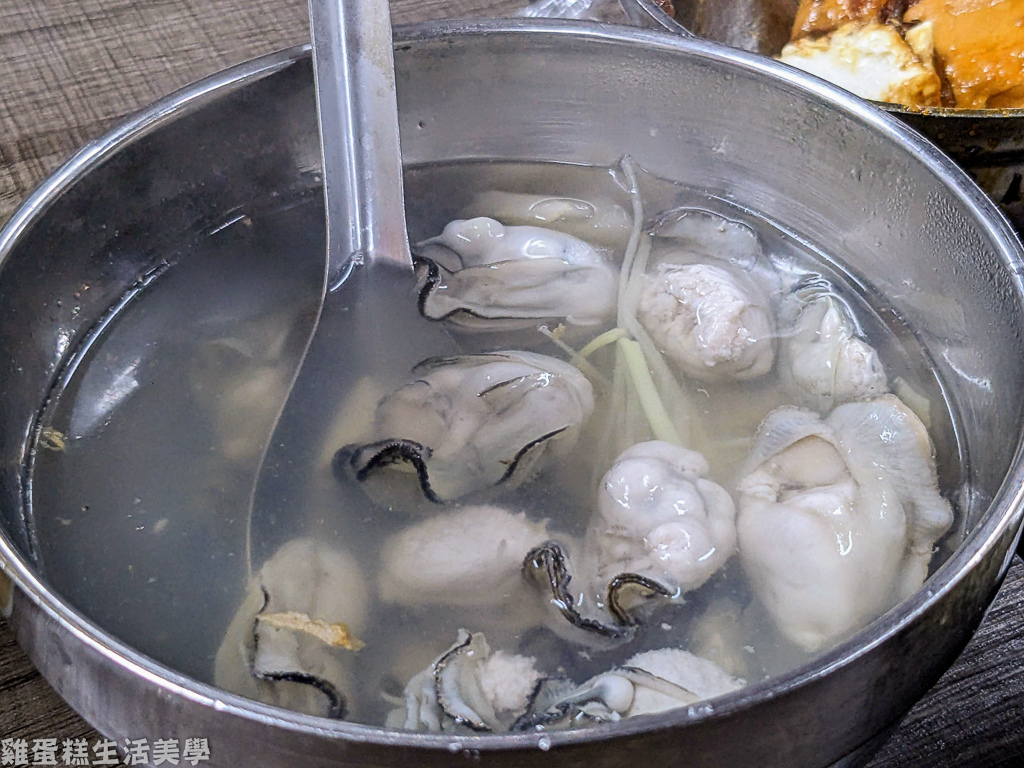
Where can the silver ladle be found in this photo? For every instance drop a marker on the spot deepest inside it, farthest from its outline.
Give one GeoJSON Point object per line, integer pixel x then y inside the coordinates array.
{"type": "Point", "coordinates": [368, 297]}
{"type": "Point", "coordinates": [354, 72]}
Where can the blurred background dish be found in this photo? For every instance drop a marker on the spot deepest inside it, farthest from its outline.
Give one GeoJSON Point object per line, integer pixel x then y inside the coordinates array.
{"type": "Point", "coordinates": [967, 96]}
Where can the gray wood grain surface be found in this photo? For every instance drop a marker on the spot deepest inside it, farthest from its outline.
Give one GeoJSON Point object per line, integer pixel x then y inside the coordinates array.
{"type": "Point", "coordinates": [70, 68]}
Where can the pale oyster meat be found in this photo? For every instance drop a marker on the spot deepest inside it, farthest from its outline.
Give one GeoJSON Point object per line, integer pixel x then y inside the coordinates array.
{"type": "Point", "coordinates": [838, 516]}
{"type": "Point", "coordinates": [661, 529]}
{"type": "Point", "coordinates": [469, 556]}
{"type": "Point", "coordinates": [701, 679]}
{"type": "Point", "coordinates": [292, 640]}
{"type": "Point", "coordinates": [597, 219]}
{"type": "Point", "coordinates": [480, 274]}
{"type": "Point", "coordinates": [658, 515]}
{"type": "Point", "coordinates": [467, 689]}
{"type": "Point", "coordinates": [722, 634]}
{"type": "Point", "coordinates": [822, 360]}
{"type": "Point", "coordinates": [241, 379]}
{"type": "Point", "coordinates": [703, 304]}
{"type": "Point", "coordinates": [699, 235]}
{"type": "Point", "coordinates": [472, 422]}
{"type": "Point", "coordinates": [470, 688]}
{"type": "Point", "coordinates": [648, 683]}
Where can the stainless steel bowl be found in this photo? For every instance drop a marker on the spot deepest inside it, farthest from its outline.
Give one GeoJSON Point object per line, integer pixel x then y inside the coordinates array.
{"type": "Point", "coordinates": [989, 144]}
{"type": "Point", "coordinates": [855, 182]}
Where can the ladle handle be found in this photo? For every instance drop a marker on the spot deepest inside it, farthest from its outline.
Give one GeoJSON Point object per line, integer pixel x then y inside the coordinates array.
{"type": "Point", "coordinates": [353, 65]}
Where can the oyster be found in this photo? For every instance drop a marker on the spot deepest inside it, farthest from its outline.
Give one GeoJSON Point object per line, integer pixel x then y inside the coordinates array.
{"type": "Point", "coordinates": [698, 235]}
{"type": "Point", "coordinates": [659, 516]}
{"type": "Point", "coordinates": [471, 422]}
{"type": "Point", "coordinates": [722, 634]}
{"type": "Point", "coordinates": [838, 517]}
{"type": "Point", "coordinates": [648, 683]}
{"type": "Point", "coordinates": [470, 556]}
{"type": "Point", "coordinates": [292, 639]}
{"type": "Point", "coordinates": [593, 617]}
{"type": "Point", "coordinates": [661, 529]}
{"type": "Point", "coordinates": [702, 307]}
{"type": "Point", "coordinates": [597, 220]}
{"type": "Point", "coordinates": [241, 380]}
{"type": "Point", "coordinates": [482, 275]}
{"type": "Point", "coordinates": [468, 688]}
{"type": "Point", "coordinates": [822, 362]}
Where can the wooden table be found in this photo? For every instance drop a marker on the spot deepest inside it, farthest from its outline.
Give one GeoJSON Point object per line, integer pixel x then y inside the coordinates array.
{"type": "Point", "coordinates": [70, 68]}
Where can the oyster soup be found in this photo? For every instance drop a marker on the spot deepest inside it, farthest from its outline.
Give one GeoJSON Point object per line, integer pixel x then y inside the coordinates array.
{"type": "Point", "coordinates": [618, 447]}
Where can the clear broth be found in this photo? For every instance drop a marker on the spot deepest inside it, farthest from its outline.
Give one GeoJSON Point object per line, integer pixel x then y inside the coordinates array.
{"type": "Point", "coordinates": [141, 519]}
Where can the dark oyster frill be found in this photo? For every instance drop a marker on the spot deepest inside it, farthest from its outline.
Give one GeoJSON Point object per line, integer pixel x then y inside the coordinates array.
{"type": "Point", "coordinates": [548, 567]}
{"type": "Point", "coordinates": [289, 644]}
{"type": "Point", "coordinates": [468, 423]}
{"type": "Point", "coordinates": [648, 683]}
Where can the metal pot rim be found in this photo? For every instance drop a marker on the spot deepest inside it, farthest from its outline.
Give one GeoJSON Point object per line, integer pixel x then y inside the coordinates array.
{"type": "Point", "coordinates": [637, 10]}
{"type": "Point", "coordinates": [1003, 514]}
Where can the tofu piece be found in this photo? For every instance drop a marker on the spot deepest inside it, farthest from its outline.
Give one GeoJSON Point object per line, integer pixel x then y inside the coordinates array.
{"type": "Point", "coordinates": [980, 47]}
{"type": "Point", "coordinates": [871, 60]}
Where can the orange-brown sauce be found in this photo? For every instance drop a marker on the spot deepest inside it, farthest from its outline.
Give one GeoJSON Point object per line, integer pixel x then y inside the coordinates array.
{"type": "Point", "coordinates": [980, 48]}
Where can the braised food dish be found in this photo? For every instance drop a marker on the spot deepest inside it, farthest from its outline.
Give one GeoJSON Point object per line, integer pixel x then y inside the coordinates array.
{"type": "Point", "coordinates": [967, 54]}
